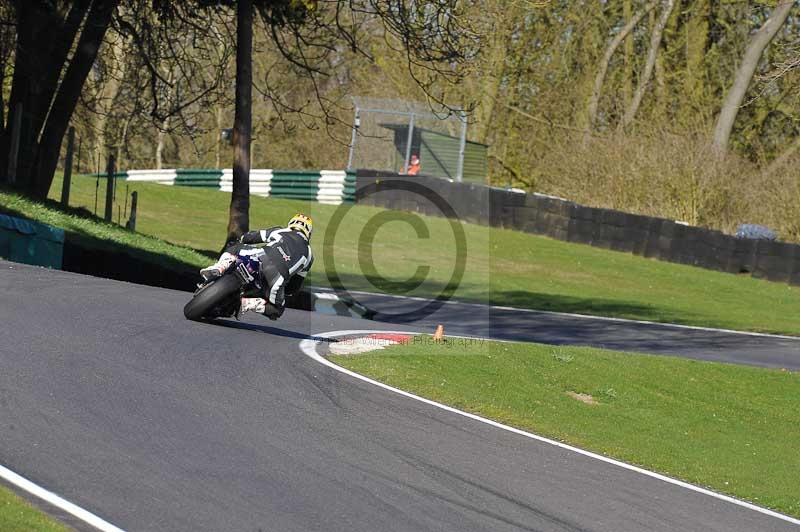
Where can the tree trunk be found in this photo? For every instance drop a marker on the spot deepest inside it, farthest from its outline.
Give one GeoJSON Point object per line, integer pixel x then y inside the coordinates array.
{"type": "Point", "coordinates": [599, 80]}
{"type": "Point", "coordinates": [44, 40]}
{"type": "Point", "coordinates": [218, 139]}
{"type": "Point", "coordinates": [161, 135]}
{"type": "Point", "coordinates": [697, 33]}
{"type": "Point", "coordinates": [627, 81]}
{"type": "Point", "coordinates": [123, 141]}
{"type": "Point", "coordinates": [239, 216]}
{"type": "Point", "coordinates": [69, 91]}
{"type": "Point", "coordinates": [744, 75]}
{"type": "Point", "coordinates": [644, 81]}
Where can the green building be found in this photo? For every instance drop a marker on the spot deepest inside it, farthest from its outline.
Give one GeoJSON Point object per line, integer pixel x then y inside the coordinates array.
{"type": "Point", "coordinates": [438, 153]}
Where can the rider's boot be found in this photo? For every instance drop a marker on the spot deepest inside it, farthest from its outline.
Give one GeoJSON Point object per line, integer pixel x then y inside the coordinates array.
{"type": "Point", "coordinates": [218, 268]}
{"type": "Point", "coordinates": [255, 304]}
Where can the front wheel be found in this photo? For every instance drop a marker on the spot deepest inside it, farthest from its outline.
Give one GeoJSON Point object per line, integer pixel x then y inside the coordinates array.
{"type": "Point", "coordinates": [211, 296]}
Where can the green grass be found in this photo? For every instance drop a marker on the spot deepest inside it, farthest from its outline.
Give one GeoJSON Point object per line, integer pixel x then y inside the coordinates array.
{"type": "Point", "coordinates": [502, 267]}
{"type": "Point", "coordinates": [16, 515]}
{"type": "Point", "coordinates": [733, 428]}
{"type": "Point", "coordinates": [99, 234]}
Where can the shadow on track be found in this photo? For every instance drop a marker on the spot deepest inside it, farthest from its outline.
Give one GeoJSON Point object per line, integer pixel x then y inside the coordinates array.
{"type": "Point", "coordinates": [275, 331]}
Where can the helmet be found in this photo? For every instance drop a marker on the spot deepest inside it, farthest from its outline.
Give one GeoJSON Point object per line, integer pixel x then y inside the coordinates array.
{"type": "Point", "coordinates": [302, 224]}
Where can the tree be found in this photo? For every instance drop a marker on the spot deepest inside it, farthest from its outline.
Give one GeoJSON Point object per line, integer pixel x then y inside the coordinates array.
{"type": "Point", "coordinates": [623, 34]}
{"type": "Point", "coordinates": [744, 75]}
{"type": "Point", "coordinates": [47, 81]}
{"type": "Point", "coordinates": [239, 216]}
{"type": "Point", "coordinates": [644, 81]}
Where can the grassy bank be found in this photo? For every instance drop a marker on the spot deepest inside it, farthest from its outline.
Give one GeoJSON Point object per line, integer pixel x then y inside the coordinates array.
{"type": "Point", "coordinates": [109, 236]}
{"type": "Point", "coordinates": [16, 515]}
{"type": "Point", "coordinates": [732, 428]}
{"type": "Point", "coordinates": [501, 266]}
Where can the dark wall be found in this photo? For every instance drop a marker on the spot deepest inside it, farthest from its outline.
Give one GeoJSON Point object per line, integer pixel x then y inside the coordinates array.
{"type": "Point", "coordinates": [655, 238]}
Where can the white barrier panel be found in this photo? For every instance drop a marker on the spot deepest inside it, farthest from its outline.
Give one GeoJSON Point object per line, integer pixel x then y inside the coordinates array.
{"type": "Point", "coordinates": [162, 177]}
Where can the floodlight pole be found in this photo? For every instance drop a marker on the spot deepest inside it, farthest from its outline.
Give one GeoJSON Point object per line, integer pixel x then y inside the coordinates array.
{"type": "Point", "coordinates": [462, 147]}
{"type": "Point", "coordinates": [408, 143]}
{"type": "Point", "coordinates": [356, 125]}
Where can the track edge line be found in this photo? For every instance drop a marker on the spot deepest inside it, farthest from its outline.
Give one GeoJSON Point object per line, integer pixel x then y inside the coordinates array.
{"type": "Point", "coordinates": [309, 348]}
{"type": "Point", "coordinates": [28, 486]}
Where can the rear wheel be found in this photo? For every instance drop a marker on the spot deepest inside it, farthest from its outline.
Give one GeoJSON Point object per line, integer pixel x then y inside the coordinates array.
{"type": "Point", "coordinates": [211, 296]}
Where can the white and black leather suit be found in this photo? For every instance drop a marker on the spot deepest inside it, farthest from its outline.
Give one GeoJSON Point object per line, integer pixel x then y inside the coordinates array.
{"type": "Point", "coordinates": [286, 259]}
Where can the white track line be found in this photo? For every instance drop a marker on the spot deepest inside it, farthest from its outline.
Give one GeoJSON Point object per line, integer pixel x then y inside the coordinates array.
{"type": "Point", "coordinates": [309, 347]}
{"type": "Point", "coordinates": [571, 315]}
{"type": "Point", "coordinates": [60, 503]}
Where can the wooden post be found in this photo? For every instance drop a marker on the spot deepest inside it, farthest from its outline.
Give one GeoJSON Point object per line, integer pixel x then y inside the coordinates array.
{"type": "Point", "coordinates": [68, 167]}
{"type": "Point", "coordinates": [132, 220]}
{"type": "Point", "coordinates": [110, 170]}
{"type": "Point", "coordinates": [16, 130]}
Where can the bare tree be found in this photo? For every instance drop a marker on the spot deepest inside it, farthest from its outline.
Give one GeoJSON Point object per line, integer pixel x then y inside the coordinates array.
{"type": "Point", "coordinates": [652, 54]}
{"type": "Point", "coordinates": [594, 99]}
{"type": "Point", "coordinates": [744, 75]}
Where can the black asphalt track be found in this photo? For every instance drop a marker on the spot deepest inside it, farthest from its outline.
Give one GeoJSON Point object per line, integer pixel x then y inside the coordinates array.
{"type": "Point", "coordinates": [109, 398]}
{"type": "Point", "coordinates": [559, 329]}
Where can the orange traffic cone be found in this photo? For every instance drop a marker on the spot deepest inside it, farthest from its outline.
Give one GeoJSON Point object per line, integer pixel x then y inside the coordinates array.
{"type": "Point", "coordinates": [438, 336]}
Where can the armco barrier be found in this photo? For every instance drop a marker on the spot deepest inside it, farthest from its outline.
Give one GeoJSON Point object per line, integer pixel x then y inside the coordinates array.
{"type": "Point", "coordinates": [31, 242]}
{"type": "Point", "coordinates": [326, 186]}
{"type": "Point", "coordinates": [646, 236]}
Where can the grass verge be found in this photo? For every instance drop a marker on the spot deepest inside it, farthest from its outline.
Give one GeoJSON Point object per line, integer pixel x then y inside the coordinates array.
{"type": "Point", "coordinates": [501, 266]}
{"type": "Point", "coordinates": [16, 515]}
{"type": "Point", "coordinates": [94, 231]}
{"type": "Point", "coordinates": [731, 428]}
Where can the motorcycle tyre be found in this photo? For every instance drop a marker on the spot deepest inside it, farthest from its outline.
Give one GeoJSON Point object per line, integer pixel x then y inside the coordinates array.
{"type": "Point", "coordinates": [211, 296]}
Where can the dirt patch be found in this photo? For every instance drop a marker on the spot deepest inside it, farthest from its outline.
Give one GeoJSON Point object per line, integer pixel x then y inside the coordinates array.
{"type": "Point", "coordinates": [583, 398]}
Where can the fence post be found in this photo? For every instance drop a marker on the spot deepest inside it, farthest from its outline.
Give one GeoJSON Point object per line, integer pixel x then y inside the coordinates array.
{"type": "Point", "coordinates": [16, 130]}
{"type": "Point", "coordinates": [110, 170]}
{"type": "Point", "coordinates": [409, 140]}
{"type": "Point", "coordinates": [353, 138]}
{"type": "Point", "coordinates": [68, 167]}
{"type": "Point", "coordinates": [132, 220]}
{"type": "Point", "coordinates": [462, 143]}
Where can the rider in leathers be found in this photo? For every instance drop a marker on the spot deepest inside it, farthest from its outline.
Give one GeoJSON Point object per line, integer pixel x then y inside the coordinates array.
{"type": "Point", "coordinates": [285, 261]}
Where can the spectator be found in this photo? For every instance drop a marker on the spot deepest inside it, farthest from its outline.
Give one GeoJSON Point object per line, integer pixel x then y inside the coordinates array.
{"type": "Point", "coordinates": [413, 167]}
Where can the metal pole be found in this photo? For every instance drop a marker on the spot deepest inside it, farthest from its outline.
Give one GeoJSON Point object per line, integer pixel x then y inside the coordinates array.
{"type": "Point", "coordinates": [408, 143]}
{"type": "Point", "coordinates": [110, 169]}
{"type": "Point", "coordinates": [65, 185]}
{"type": "Point", "coordinates": [356, 125]}
{"type": "Point", "coordinates": [16, 130]}
{"type": "Point", "coordinates": [462, 147]}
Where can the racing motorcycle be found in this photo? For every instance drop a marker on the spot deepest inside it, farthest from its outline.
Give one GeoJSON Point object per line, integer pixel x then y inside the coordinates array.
{"type": "Point", "coordinates": [221, 297]}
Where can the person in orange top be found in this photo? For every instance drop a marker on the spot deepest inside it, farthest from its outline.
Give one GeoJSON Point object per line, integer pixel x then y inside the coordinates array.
{"type": "Point", "coordinates": [413, 166]}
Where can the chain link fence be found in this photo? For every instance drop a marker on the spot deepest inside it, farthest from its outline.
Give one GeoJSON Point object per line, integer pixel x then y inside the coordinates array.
{"type": "Point", "coordinates": [389, 135]}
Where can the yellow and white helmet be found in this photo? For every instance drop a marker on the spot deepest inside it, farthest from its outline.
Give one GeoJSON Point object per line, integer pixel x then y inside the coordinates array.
{"type": "Point", "coordinates": [302, 224]}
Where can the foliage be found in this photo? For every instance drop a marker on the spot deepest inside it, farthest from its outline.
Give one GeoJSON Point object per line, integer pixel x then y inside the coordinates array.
{"type": "Point", "coordinates": [160, 92]}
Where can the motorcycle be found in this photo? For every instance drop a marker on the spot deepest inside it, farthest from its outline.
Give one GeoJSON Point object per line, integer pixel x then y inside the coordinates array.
{"type": "Point", "coordinates": [221, 297]}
